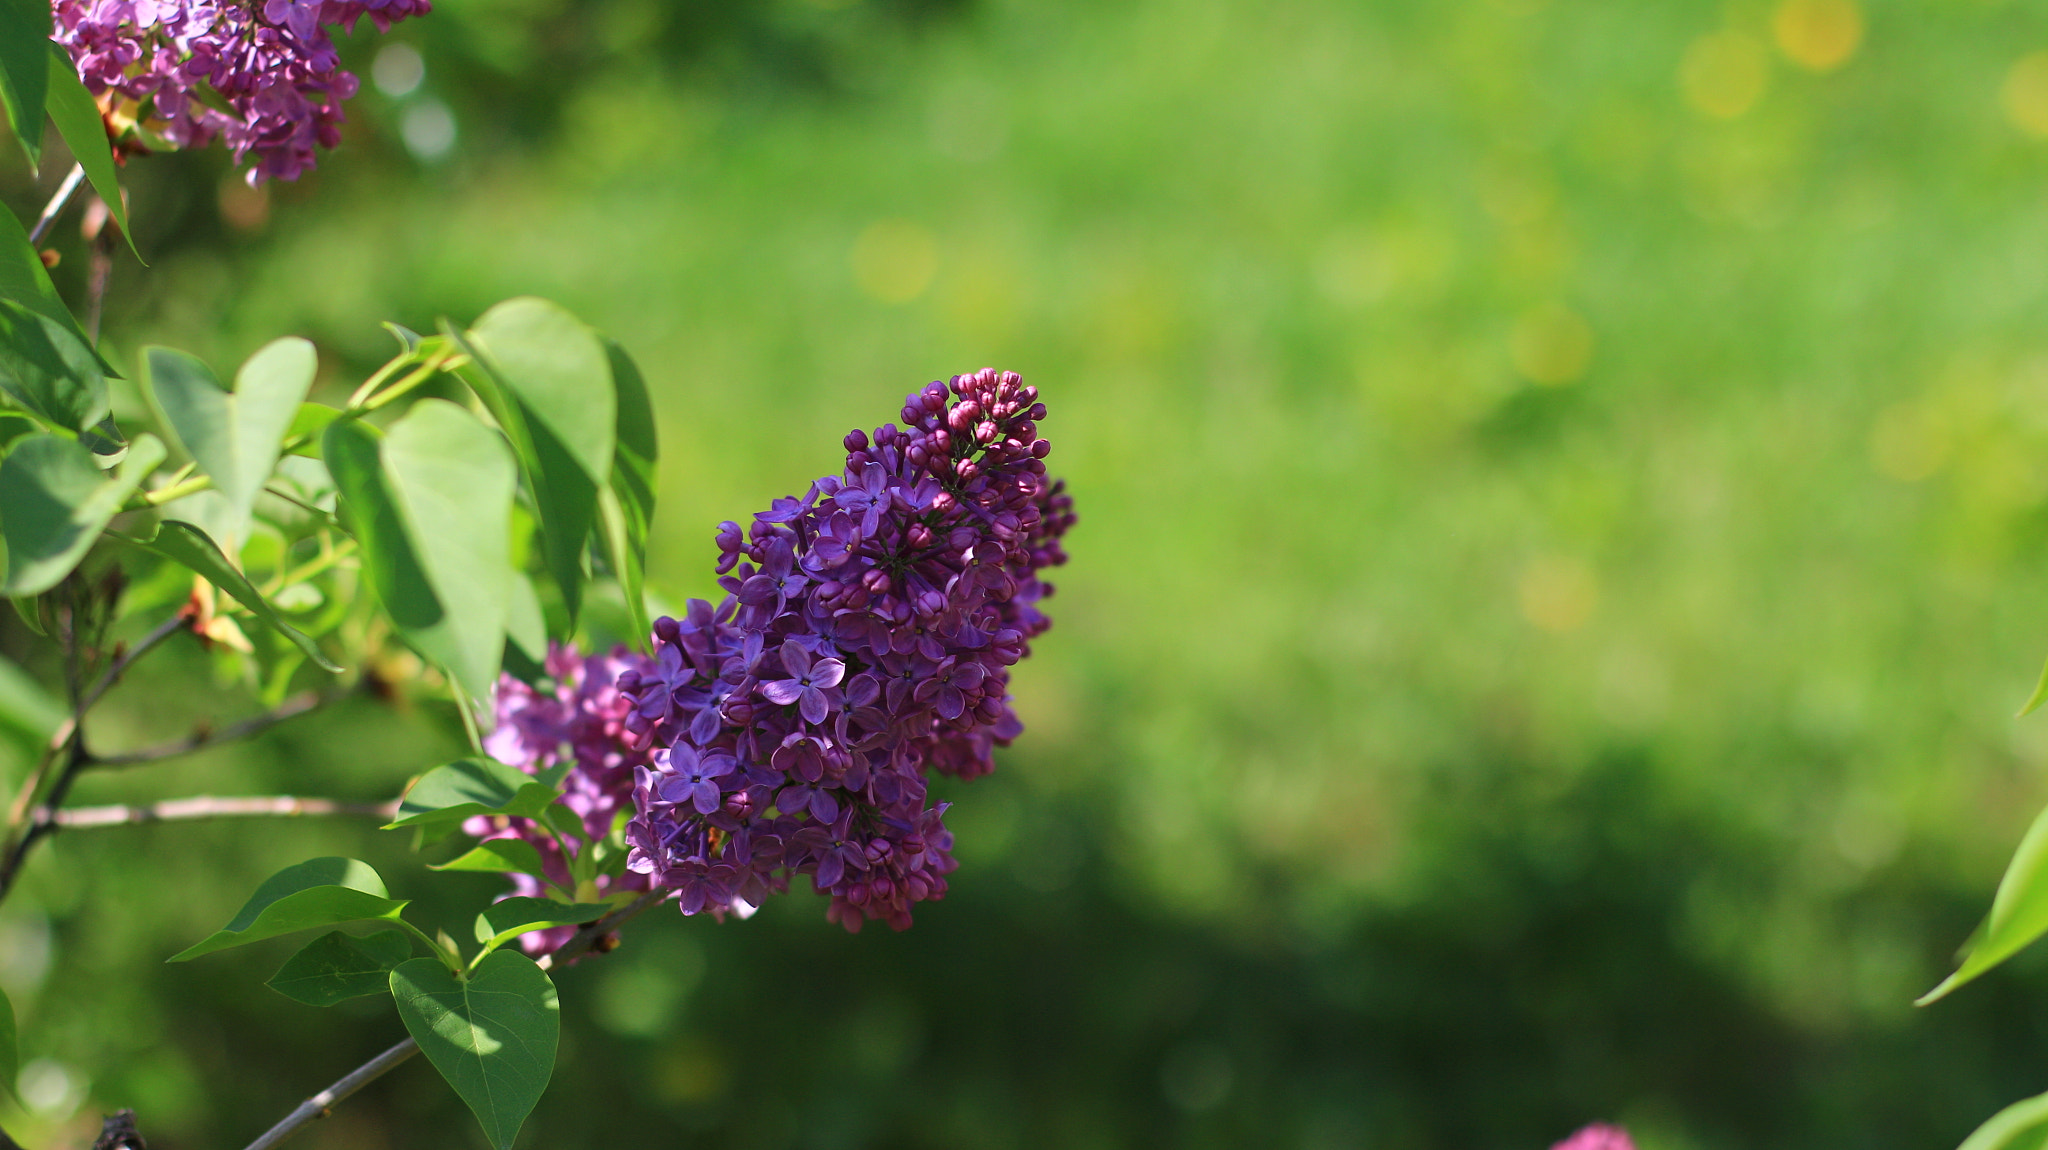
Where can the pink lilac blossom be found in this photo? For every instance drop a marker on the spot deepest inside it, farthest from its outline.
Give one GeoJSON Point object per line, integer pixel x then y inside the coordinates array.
{"type": "Point", "coordinates": [865, 641]}
{"type": "Point", "coordinates": [580, 721]}
{"type": "Point", "coordinates": [1598, 1136]}
{"type": "Point", "coordinates": [271, 62]}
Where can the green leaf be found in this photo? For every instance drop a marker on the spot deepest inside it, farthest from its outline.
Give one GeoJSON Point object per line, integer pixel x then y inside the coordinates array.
{"type": "Point", "coordinates": [78, 120]}
{"type": "Point", "coordinates": [10, 1048]}
{"type": "Point", "coordinates": [2020, 1126]}
{"type": "Point", "coordinates": [499, 856]}
{"type": "Point", "coordinates": [318, 892]}
{"type": "Point", "coordinates": [234, 437]}
{"type": "Point", "coordinates": [29, 716]}
{"type": "Point", "coordinates": [24, 75]}
{"type": "Point", "coordinates": [2019, 912]}
{"type": "Point", "coordinates": [48, 370]}
{"type": "Point", "coordinates": [311, 420]}
{"type": "Point", "coordinates": [336, 967]}
{"type": "Point", "coordinates": [455, 791]}
{"type": "Point", "coordinates": [524, 623]}
{"type": "Point", "coordinates": [2039, 696]}
{"type": "Point", "coordinates": [507, 919]}
{"type": "Point", "coordinates": [431, 504]}
{"type": "Point", "coordinates": [54, 502]}
{"type": "Point", "coordinates": [627, 506]}
{"type": "Point", "coordinates": [547, 378]}
{"type": "Point", "coordinates": [186, 544]}
{"type": "Point", "coordinates": [24, 279]}
{"type": "Point", "coordinates": [492, 1035]}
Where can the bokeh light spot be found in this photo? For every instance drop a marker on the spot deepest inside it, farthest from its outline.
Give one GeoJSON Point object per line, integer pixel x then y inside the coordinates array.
{"type": "Point", "coordinates": [428, 129]}
{"type": "Point", "coordinates": [397, 70]}
{"type": "Point", "coordinates": [1724, 74]}
{"type": "Point", "coordinates": [1558, 593]}
{"type": "Point", "coordinates": [1820, 35]}
{"type": "Point", "coordinates": [894, 260]}
{"type": "Point", "coordinates": [2025, 94]}
{"type": "Point", "coordinates": [1551, 345]}
{"type": "Point", "coordinates": [1197, 1076]}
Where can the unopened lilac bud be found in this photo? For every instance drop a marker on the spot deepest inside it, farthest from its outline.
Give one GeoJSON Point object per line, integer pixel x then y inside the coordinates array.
{"type": "Point", "coordinates": [967, 470]}
{"type": "Point", "coordinates": [919, 536]}
{"type": "Point", "coordinates": [856, 440]}
{"type": "Point", "coordinates": [986, 432]}
{"type": "Point", "coordinates": [876, 581]}
{"type": "Point", "coordinates": [1040, 448]}
{"type": "Point", "coordinates": [668, 630]}
{"type": "Point", "coordinates": [943, 503]}
{"type": "Point", "coordinates": [885, 434]}
{"type": "Point", "coordinates": [934, 397]}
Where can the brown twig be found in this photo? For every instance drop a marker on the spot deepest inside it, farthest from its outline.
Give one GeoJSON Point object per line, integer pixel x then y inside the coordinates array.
{"type": "Point", "coordinates": [322, 1104]}
{"type": "Point", "coordinates": [209, 807]}
{"type": "Point", "coordinates": [56, 204]}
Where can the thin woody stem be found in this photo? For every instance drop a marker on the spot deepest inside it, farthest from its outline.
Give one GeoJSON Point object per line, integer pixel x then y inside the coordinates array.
{"type": "Point", "coordinates": [322, 1104]}
{"type": "Point", "coordinates": [209, 807]}
{"type": "Point", "coordinates": [56, 204]}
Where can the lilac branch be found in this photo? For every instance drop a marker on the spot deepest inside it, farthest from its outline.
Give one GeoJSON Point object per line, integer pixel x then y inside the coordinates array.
{"type": "Point", "coordinates": [203, 738]}
{"type": "Point", "coordinates": [595, 936]}
{"type": "Point", "coordinates": [209, 807]}
{"type": "Point", "coordinates": [56, 204]}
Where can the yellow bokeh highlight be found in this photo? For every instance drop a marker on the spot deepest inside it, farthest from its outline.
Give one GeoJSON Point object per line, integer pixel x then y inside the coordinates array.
{"type": "Point", "coordinates": [1724, 74]}
{"type": "Point", "coordinates": [2025, 94]}
{"type": "Point", "coordinates": [1557, 594]}
{"type": "Point", "coordinates": [1820, 35]}
{"type": "Point", "coordinates": [1551, 345]}
{"type": "Point", "coordinates": [894, 260]}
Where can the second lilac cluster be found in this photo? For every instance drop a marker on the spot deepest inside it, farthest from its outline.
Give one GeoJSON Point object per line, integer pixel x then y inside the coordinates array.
{"type": "Point", "coordinates": [271, 62]}
{"type": "Point", "coordinates": [866, 639]}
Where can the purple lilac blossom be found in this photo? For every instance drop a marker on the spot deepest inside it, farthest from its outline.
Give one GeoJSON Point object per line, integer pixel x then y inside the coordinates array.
{"type": "Point", "coordinates": [1598, 1136]}
{"type": "Point", "coordinates": [582, 720]}
{"type": "Point", "coordinates": [865, 641]}
{"type": "Point", "coordinates": [271, 61]}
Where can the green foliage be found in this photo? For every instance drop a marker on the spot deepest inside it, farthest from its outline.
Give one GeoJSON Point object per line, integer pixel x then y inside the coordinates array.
{"type": "Point", "coordinates": [2020, 1126]}
{"type": "Point", "coordinates": [24, 71]}
{"type": "Point", "coordinates": [491, 1034]}
{"type": "Point", "coordinates": [54, 502]}
{"type": "Point", "coordinates": [10, 1050]}
{"type": "Point", "coordinates": [235, 436]}
{"type": "Point", "coordinates": [337, 967]}
{"type": "Point", "coordinates": [456, 791]}
{"type": "Point", "coordinates": [317, 892]}
{"type": "Point", "coordinates": [498, 856]}
{"type": "Point", "coordinates": [2019, 912]}
{"type": "Point", "coordinates": [25, 280]}
{"type": "Point", "coordinates": [507, 919]}
{"type": "Point", "coordinates": [77, 117]}
{"type": "Point", "coordinates": [28, 715]}
{"type": "Point", "coordinates": [188, 546]}
{"type": "Point", "coordinates": [49, 370]}
{"type": "Point", "coordinates": [627, 504]}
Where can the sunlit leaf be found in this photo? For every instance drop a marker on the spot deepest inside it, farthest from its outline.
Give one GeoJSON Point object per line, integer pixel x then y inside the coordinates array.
{"type": "Point", "coordinates": [2019, 912]}
{"type": "Point", "coordinates": [337, 967]}
{"type": "Point", "coordinates": [455, 791]}
{"type": "Point", "coordinates": [24, 279]}
{"type": "Point", "coordinates": [507, 919]}
{"type": "Point", "coordinates": [318, 892]}
{"type": "Point", "coordinates": [627, 505]}
{"type": "Point", "coordinates": [492, 1035]}
{"type": "Point", "coordinates": [498, 856]}
{"type": "Point", "coordinates": [2020, 1126]}
{"type": "Point", "coordinates": [54, 503]}
{"type": "Point", "coordinates": [235, 436]}
{"type": "Point", "coordinates": [77, 117]}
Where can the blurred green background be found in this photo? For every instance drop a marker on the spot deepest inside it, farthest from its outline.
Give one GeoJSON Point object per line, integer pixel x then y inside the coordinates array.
{"type": "Point", "coordinates": [1564, 523]}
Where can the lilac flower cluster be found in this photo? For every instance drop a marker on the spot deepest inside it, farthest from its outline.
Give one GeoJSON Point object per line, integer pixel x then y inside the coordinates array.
{"type": "Point", "coordinates": [1598, 1136]}
{"type": "Point", "coordinates": [866, 639]}
{"type": "Point", "coordinates": [271, 61]}
{"type": "Point", "coordinates": [583, 721]}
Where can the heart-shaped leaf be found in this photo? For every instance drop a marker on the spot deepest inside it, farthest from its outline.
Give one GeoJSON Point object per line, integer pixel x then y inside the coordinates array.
{"type": "Point", "coordinates": [498, 856]}
{"type": "Point", "coordinates": [507, 919]}
{"type": "Point", "coordinates": [336, 967]}
{"type": "Point", "coordinates": [492, 1035]}
{"type": "Point", "coordinates": [190, 547]}
{"type": "Point", "coordinates": [54, 502]}
{"type": "Point", "coordinates": [318, 892]}
{"type": "Point", "coordinates": [431, 506]}
{"type": "Point", "coordinates": [455, 791]}
{"type": "Point", "coordinates": [234, 437]}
